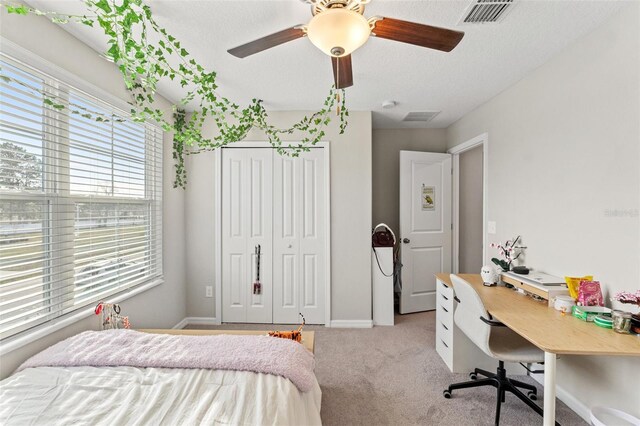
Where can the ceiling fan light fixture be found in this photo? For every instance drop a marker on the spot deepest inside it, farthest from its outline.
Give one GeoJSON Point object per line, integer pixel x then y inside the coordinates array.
{"type": "Point", "coordinates": [338, 32]}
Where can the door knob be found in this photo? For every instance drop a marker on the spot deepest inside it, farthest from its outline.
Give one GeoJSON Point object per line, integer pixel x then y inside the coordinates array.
{"type": "Point", "coordinates": [406, 240]}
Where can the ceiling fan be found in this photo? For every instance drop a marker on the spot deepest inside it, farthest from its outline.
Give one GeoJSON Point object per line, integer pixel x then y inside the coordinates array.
{"type": "Point", "coordinates": [338, 28]}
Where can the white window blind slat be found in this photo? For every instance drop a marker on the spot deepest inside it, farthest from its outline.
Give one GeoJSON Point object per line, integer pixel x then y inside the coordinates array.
{"type": "Point", "coordinates": [80, 200]}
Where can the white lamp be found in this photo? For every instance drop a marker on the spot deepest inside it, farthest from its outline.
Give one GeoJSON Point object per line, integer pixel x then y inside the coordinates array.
{"type": "Point", "coordinates": [338, 32]}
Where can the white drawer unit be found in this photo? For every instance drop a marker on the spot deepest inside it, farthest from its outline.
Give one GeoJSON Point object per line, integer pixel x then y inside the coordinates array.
{"type": "Point", "coordinates": [444, 322]}
{"type": "Point", "coordinates": [459, 353]}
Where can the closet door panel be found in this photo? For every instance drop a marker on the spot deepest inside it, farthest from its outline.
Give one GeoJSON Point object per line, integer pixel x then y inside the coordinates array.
{"type": "Point", "coordinates": [312, 239]}
{"type": "Point", "coordinates": [259, 165]}
{"type": "Point", "coordinates": [234, 255]}
{"type": "Point", "coordinates": [286, 233]}
{"type": "Point", "coordinates": [246, 223]}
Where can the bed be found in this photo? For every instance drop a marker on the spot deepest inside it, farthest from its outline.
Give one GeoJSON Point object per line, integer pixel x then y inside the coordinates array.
{"type": "Point", "coordinates": [124, 394]}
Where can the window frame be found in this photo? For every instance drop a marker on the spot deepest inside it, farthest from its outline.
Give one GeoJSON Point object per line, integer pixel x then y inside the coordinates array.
{"type": "Point", "coordinates": [53, 188]}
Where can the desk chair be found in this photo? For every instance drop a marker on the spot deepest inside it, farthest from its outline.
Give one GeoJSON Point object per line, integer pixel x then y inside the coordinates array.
{"type": "Point", "coordinates": [497, 341]}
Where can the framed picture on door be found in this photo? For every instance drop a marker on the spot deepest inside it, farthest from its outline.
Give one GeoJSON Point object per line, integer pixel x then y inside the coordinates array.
{"type": "Point", "coordinates": [428, 197]}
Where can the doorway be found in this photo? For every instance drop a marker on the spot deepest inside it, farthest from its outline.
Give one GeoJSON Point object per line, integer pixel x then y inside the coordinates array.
{"type": "Point", "coordinates": [470, 165]}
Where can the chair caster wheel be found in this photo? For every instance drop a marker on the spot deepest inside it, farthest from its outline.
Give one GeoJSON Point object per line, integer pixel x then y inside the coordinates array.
{"type": "Point", "coordinates": [473, 376]}
{"type": "Point", "coordinates": [532, 396]}
{"type": "Point", "coordinates": [447, 394]}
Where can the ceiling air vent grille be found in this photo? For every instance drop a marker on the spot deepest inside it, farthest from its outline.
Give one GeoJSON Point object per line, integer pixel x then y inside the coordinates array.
{"type": "Point", "coordinates": [422, 116]}
{"type": "Point", "coordinates": [483, 11]}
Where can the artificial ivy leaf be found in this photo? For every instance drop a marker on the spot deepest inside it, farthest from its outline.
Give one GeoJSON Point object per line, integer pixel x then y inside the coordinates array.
{"type": "Point", "coordinates": [104, 5]}
{"type": "Point", "coordinates": [19, 10]}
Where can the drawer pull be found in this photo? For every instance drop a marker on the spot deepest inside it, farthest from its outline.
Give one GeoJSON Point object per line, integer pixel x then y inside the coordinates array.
{"type": "Point", "coordinates": [444, 343]}
{"type": "Point", "coordinates": [444, 285]}
{"type": "Point", "coordinates": [445, 309]}
{"type": "Point", "coordinates": [445, 327]}
{"type": "Point", "coordinates": [445, 297]}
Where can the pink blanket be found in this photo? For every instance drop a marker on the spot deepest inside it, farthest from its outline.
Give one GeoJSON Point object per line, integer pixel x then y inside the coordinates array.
{"type": "Point", "coordinates": [110, 348]}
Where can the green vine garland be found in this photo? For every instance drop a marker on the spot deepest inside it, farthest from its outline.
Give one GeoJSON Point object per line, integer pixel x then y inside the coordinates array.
{"type": "Point", "coordinates": [127, 24]}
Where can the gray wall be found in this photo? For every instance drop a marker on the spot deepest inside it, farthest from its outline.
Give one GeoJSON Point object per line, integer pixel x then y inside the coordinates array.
{"type": "Point", "coordinates": [387, 144]}
{"type": "Point", "coordinates": [350, 220]}
{"type": "Point", "coordinates": [470, 211]}
{"type": "Point", "coordinates": [162, 306]}
{"type": "Point", "coordinates": [564, 164]}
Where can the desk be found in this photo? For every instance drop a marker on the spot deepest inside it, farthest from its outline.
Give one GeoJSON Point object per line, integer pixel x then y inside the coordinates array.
{"type": "Point", "coordinates": [548, 329]}
{"type": "Point", "coordinates": [308, 337]}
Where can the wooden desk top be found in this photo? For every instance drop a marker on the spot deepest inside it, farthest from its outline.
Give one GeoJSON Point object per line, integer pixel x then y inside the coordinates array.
{"type": "Point", "coordinates": [546, 327]}
{"type": "Point", "coordinates": [308, 337]}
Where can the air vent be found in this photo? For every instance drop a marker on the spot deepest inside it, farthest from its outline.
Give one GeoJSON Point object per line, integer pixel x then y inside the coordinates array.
{"type": "Point", "coordinates": [484, 11]}
{"type": "Point", "coordinates": [422, 116]}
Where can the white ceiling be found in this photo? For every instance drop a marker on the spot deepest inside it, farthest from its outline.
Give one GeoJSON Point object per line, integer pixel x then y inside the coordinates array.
{"type": "Point", "coordinates": [297, 76]}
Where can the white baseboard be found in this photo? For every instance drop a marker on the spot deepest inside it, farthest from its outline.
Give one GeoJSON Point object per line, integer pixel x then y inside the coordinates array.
{"type": "Point", "coordinates": [182, 324]}
{"type": "Point", "coordinates": [569, 400]}
{"type": "Point", "coordinates": [352, 323]}
{"type": "Point", "coordinates": [197, 321]}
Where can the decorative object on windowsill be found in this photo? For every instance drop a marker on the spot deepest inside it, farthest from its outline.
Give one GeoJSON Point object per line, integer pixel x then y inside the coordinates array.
{"type": "Point", "coordinates": [509, 250]}
{"type": "Point", "coordinates": [147, 55]}
{"type": "Point", "coordinates": [489, 276]}
{"type": "Point", "coordinates": [110, 317]}
{"type": "Point", "coordinates": [292, 335]}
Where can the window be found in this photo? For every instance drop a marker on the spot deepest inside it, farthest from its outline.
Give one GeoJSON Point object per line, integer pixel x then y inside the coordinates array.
{"type": "Point", "coordinates": [80, 199]}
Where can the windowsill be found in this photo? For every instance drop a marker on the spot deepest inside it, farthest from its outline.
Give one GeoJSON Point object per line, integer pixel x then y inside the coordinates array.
{"type": "Point", "coordinates": [39, 332]}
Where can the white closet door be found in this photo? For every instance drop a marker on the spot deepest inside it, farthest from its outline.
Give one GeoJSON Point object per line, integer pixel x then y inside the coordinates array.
{"type": "Point", "coordinates": [247, 176]}
{"type": "Point", "coordinates": [299, 268]}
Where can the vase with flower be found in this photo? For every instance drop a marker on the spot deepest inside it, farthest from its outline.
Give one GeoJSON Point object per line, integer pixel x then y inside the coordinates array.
{"type": "Point", "coordinates": [509, 251]}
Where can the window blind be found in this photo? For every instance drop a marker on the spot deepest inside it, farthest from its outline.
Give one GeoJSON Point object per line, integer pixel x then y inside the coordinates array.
{"type": "Point", "coordinates": [80, 199]}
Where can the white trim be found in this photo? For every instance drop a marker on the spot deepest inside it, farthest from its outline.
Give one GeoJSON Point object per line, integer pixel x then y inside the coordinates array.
{"type": "Point", "coordinates": [30, 336]}
{"type": "Point", "coordinates": [569, 400]}
{"type": "Point", "coordinates": [31, 60]}
{"type": "Point", "coordinates": [481, 140]}
{"type": "Point", "coordinates": [327, 247]}
{"type": "Point", "coordinates": [199, 321]}
{"type": "Point", "coordinates": [217, 248]}
{"type": "Point", "coordinates": [182, 324]}
{"type": "Point", "coordinates": [352, 323]}
{"type": "Point", "coordinates": [218, 220]}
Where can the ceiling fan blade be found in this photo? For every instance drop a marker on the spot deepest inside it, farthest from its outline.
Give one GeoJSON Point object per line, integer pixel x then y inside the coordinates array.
{"type": "Point", "coordinates": [342, 72]}
{"type": "Point", "coordinates": [418, 34]}
{"type": "Point", "coordinates": [267, 42]}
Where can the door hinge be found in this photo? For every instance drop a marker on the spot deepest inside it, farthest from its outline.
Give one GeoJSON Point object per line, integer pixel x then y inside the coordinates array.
{"type": "Point", "coordinates": [452, 226]}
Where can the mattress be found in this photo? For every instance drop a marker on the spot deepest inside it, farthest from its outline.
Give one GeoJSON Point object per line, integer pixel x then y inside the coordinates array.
{"type": "Point", "coordinates": [141, 396]}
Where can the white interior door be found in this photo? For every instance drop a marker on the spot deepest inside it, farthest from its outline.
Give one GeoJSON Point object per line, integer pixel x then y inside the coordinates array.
{"type": "Point", "coordinates": [299, 230]}
{"type": "Point", "coordinates": [247, 176]}
{"type": "Point", "coordinates": [425, 226]}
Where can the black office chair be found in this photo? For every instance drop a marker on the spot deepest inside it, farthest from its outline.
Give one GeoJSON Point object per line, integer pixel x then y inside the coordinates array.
{"type": "Point", "coordinates": [498, 342]}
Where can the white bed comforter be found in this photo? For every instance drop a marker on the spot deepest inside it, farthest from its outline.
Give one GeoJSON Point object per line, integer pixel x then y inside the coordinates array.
{"type": "Point", "coordinates": [153, 396]}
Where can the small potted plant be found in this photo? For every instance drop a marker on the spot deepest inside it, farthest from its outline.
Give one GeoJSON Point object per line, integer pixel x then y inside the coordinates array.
{"type": "Point", "coordinates": [509, 251]}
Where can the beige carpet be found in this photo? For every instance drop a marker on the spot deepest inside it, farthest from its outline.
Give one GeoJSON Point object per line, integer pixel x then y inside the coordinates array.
{"type": "Point", "coordinates": [393, 376]}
